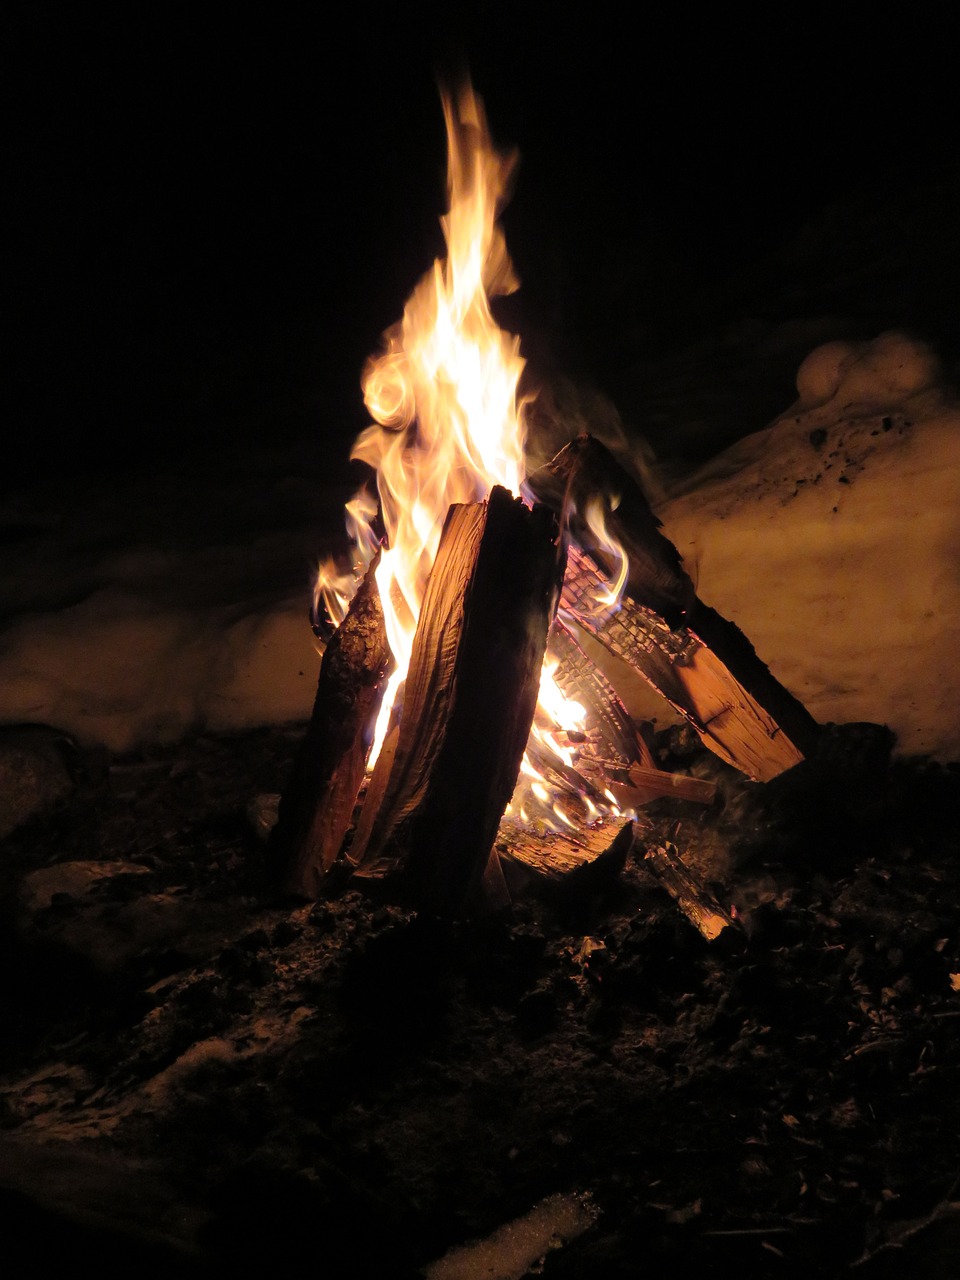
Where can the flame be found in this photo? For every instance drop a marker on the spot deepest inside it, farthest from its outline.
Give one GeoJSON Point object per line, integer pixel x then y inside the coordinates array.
{"type": "Point", "coordinates": [545, 800]}
{"type": "Point", "coordinates": [595, 516]}
{"type": "Point", "coordinates": [448, 423]}
{"type": "Point", "coordinates": [335, 588]}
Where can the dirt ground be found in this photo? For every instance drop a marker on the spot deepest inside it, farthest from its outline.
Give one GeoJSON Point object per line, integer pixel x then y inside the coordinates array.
{"type": "Point", "coordinates": [194, 1071]}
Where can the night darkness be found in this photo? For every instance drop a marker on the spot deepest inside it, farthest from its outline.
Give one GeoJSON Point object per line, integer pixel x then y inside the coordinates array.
{"type": "Point", "coordinates": [214, 217]}
{"type": "Point", "coordinates": [212, 213]}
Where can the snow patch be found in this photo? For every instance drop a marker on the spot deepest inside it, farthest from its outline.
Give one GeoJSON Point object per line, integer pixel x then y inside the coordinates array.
{"type": "Point", "coordinates": [831, 539]}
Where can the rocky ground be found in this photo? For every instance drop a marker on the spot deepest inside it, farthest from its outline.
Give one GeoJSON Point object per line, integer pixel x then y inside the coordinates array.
{"type": "Point", "coordinates": [195, 1071]}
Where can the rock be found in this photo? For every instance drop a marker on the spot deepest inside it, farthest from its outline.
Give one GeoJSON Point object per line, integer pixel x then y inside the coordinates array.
{"type": "Point", "coordinates": [33, 773]}
{"type": "Point", "coordinates": [84, 909]}
{"type": "Point", "coordinates": [67, 880]}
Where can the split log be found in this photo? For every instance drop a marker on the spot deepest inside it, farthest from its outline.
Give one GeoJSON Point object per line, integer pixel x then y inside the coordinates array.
{"type": "Point", "coordinates": [653, 784]}
{"type": "Point", "coordinates": [317, 805]}
{"type": "Point", "coordinates": [611, 738]}
{"type": "Point", "coordinates": [733, 723]}
{"type": "Point", "coordinates": [469, 700]}
{"type": "Point", "coordinates": [697, 904]}
{"type": "Point", "coordinates": [585, 475]}
{"type": "Point", "coordinates": [610, 756]}
{"type": "Point", "coordinates": [530, 859]}
{"type": "Point", "coordinates": [701, 663]}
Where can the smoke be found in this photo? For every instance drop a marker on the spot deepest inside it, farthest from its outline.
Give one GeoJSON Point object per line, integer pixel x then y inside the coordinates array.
{"type": "Point", "coordinates": [563, 409]}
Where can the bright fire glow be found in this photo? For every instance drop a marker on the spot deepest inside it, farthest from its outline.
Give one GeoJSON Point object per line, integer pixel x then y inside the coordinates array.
{"type": "Point", "coordinates": [448, 425]}
{"type": "Point", "coordinates": [443, 391]}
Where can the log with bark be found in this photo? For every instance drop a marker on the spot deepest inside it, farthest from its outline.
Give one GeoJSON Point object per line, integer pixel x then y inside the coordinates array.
{"type": "Point", "coordinates": [700, 662]}
{"type": "Point", "coordinates": [318, 802]}
{"type": "Point", "coordinates": [469, 700]}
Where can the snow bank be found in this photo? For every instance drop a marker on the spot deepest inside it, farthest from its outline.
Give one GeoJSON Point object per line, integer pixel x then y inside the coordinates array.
{"type": "Point", "coordinates": [119, 670]}
{"type": "Point", "coordinates": [831, 538]}
{"type": "Point", "coordinates": [137, 612]}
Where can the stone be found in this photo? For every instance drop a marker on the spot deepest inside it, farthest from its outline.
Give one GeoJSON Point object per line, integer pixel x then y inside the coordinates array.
{"type": "Point", "coordinates": [34, 773]}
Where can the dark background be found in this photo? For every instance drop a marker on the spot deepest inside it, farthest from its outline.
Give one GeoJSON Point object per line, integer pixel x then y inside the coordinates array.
{"type": "Point", "coordinates": [213, 216]}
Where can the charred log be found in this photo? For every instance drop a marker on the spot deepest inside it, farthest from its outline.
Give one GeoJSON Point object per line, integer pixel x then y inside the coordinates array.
{"type": "Point", "coordinates": [653, 784]}
{"type": "Point", "coordinates": [585, 475]}
{"type": "Point", "coordinates": [469, 700]}
{"type": "Point", "coordinates": [317, 806]}
{"type": "Point", "coordinates": [610, 738]}
{"type": "Point", "coordinates": [530, 859]}
{"type": "Point", "coordinates": [694, 900]}
{"type": "Point", "coordinates": [701, 663]}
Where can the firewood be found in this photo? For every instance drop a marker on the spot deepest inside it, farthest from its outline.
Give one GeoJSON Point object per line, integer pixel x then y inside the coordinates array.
{"type": "Point", "coordinates": [585, 472]}
{"type": "Point", "coordinates": [701, 663]}
{"type": "Point", "coordinates": [695, 680]}
{"type": "Point", "coordinates": [652, 784]}
{"type": "Point", "coordinates": [318, 802]}
{"type": "Point", "coordinates": [531, 858]}
{"type": "Point", "coordinates": [469, 700]}
{"type": "Point", "coordinates": [697, 903]}
{"type": "Point", "coordinates": [610, 735]}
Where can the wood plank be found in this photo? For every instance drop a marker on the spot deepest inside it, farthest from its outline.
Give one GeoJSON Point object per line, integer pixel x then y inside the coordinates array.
{"type": "Point", "coordinates": [469, 701]}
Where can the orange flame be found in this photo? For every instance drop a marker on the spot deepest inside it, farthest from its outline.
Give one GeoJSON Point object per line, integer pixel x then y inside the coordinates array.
{"type": "Point", "coordinates": [443, 391]}
{"type": "Point", "coordinates": [595, 516]}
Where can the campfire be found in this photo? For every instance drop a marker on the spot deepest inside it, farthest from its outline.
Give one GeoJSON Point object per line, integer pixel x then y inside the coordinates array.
{"type": "Point", "coordinates": [462, 740]}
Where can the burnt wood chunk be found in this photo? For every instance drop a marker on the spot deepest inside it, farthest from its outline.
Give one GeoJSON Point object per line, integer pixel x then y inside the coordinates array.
{"type": "Point", "coordinates": [531, 859]}
{"type": "Point", "coordinates": [610, 737]}
{"type": "Point", "coordinates": [317, 805]}
{"type": "Point", "coordinates": [469, 700]}
{"type": "Point", "coordinates": [701, 663]}
{"type": "Point", "coordinates": [585, 478]}
{"type": "Point", "coordinates": [694, 900]}
{"type": "Point", "coordinates": [652, 784]}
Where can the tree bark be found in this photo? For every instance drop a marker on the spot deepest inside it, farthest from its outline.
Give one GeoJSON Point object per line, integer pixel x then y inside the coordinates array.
{"type": "Point", "coordinates": [318, 802]}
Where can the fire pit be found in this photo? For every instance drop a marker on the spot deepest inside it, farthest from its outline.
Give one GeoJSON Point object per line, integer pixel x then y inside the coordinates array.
{"type": "Point", "coordinates": [473, 760]}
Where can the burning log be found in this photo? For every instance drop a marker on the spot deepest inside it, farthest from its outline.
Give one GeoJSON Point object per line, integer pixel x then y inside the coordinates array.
{"type": "Point", "coordinates": [701, 663]}
{"type": "Point", "coordinates": [528, 858]}
{"type": "Point", "coordinates": [318, 802]}
{"type": "Point", "coordinates": [651, 784]}
{"type": "Point", "coordinates": [610, 737]}
{"type": "Point", "coordinates": [469, 700]}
